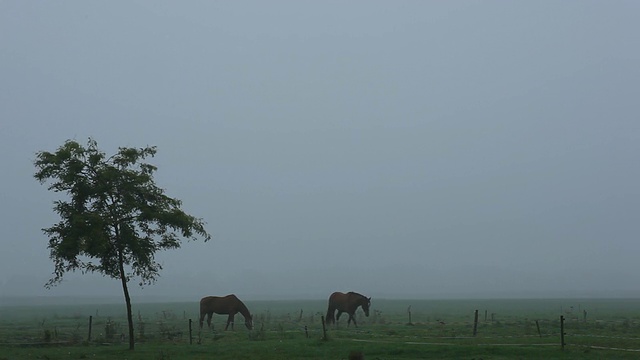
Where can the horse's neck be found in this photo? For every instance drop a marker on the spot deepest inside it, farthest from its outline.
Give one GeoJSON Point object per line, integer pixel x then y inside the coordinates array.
{"type": "Point", "coordinates": [242, 308]}
{"type": "Point", "coordinates": [359, 300]}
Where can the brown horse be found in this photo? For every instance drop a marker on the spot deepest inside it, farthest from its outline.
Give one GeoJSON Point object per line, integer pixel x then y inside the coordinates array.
{"type": "Point", "coordinates": [348, 303]}
{"type": "Point", "coordinates": [226, 305]}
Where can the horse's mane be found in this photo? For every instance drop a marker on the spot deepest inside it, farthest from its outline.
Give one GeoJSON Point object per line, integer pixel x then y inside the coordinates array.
{"type": "Point", "coordinates": [243, 308]}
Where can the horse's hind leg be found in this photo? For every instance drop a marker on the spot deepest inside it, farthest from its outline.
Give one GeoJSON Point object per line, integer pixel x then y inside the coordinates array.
{"type": "Point", "coordinates": [209, 316]}
{"type": "Point", "coordinates": [202, 315]}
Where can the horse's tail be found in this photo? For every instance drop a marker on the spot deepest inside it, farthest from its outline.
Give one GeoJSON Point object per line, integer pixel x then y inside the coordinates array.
{"type": "Point", "coordinates": [330, 318]}
{"type": "Point", "coordinates": [202, 315]}
{"type": "Point", "coordinates": [203, 311]}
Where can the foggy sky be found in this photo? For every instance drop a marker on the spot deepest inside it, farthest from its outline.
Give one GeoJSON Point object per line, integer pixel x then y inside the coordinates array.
{"type": "Point", "coordinates": [394, 148]}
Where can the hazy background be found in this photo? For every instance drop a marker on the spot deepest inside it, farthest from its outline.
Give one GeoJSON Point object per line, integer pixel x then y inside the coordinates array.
{"type": "Point", "coordinates": [395, 148]}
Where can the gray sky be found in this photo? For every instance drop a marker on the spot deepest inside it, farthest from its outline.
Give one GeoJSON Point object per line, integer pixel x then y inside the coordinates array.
{"type": "Point", "coordinates": [394, 148]}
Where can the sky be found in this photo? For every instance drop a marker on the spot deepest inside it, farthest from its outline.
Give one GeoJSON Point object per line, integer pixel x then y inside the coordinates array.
{"type": "Point", "coordinates": [400, 149]}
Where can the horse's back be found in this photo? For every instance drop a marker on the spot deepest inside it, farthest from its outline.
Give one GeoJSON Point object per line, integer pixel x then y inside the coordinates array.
{"type": "Point", "coordinates": [219, 304]}
{"type": "Point", "coordinates": [345, 299]}
{"type": "Point", "coordinates": [338, 300]}
{"type": "Point", "coordinates": [208, 299]}
{"type": "Point", "coordinates": [207, 303]}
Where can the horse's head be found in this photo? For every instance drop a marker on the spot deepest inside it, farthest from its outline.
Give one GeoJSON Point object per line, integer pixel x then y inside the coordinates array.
{"type": "Point", "coordinates": [248, 322]}
{"type": "Point", "coordinates": [366, 303]}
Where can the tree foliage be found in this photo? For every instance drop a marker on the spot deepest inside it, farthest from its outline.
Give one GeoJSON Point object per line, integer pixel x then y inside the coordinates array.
{"type": "Point", "coordinates": [116, 218]}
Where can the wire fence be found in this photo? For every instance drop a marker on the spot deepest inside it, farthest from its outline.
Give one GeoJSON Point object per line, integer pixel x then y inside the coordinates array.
{"type": "Point", "coordinates": [183, 327]}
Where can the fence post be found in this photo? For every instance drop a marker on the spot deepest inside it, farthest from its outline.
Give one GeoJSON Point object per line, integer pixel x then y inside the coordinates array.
{"type": "Point", "coordinates": [190, 333]}
{"type": "Point", "coordinates": [538, 326]}
{"type": "Point", "coordinates": [562, 332]}
{"type": "Point", "coordinates": [90, 321]}
{"type": "Point", "coordinates": [475, 323]}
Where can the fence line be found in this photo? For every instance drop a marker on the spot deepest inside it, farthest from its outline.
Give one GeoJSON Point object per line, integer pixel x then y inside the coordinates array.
{"type": "Point", "coordinates": [169, 325]}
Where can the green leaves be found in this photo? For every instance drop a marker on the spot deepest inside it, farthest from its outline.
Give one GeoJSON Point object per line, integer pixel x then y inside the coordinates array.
{"type": "Point", "coordinates": [115, 214]}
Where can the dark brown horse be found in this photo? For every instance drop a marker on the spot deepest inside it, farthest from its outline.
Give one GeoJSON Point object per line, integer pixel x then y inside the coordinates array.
{"type": "Point", "coordinates": [348, 303]}
{"type": "Point", "coordinates": [225, 305]}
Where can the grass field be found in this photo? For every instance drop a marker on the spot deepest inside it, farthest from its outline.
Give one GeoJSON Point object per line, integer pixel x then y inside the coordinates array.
{"type": "Point", "coordinates": [439, 329]}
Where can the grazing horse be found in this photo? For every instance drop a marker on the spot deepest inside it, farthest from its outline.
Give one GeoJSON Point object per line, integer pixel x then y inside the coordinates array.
{"type": "Point", "coordinates": [229, 305]}
{"type": "Point", "coordinates": [348, 303]}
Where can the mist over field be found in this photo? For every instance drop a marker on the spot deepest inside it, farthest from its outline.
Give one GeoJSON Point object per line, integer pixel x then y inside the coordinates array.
{"type": "Point", "coordinates": [401, 149]}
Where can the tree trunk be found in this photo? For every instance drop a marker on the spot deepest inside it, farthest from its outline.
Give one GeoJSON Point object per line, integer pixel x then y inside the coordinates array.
{"type": "Point", "coordinates": [127, 300]}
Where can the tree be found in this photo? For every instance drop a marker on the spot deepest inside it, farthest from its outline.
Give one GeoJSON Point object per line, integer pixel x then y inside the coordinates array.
{"type": "Point", "coordinates": [117, 218]}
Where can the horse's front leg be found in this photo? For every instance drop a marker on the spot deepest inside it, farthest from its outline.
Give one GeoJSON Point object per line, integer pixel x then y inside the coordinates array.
{"type": "Point", "coordinates": [338, 315]}
{"type": "Point", "coordinates": [353, 317]}
{"type": "Point", "coordinates": [229, 321]}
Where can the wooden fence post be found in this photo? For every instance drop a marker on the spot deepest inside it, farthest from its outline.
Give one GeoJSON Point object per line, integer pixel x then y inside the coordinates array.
{"type": "Point", "coordinates": [475, 323]}
{"type": "Point", "coordinates": [562, 332]}
{"type": "Point", "coordinates": [538, 326]}
{"type": "Point", "coordinates": [190, 333]}
{"type": "Point", "coordinates": [90, 322]}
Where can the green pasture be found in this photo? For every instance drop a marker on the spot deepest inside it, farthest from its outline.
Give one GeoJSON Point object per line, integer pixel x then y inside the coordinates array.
{"type": "Point", "coordinates": [437, 329]}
